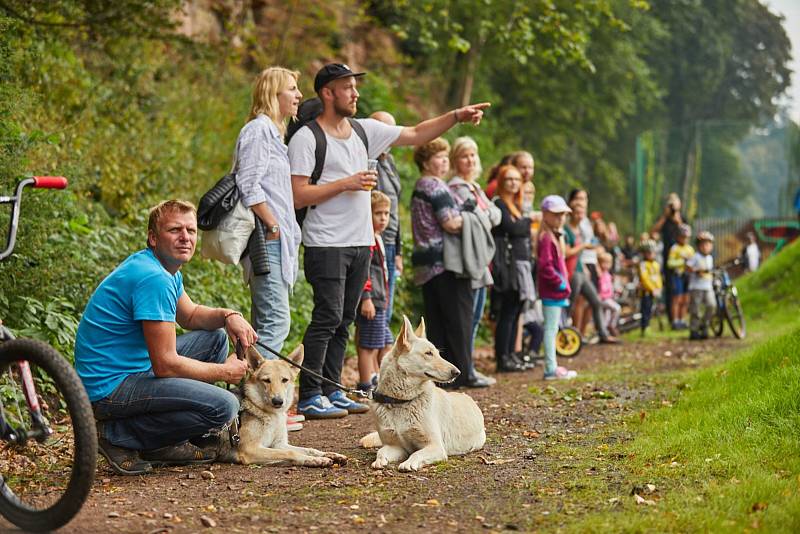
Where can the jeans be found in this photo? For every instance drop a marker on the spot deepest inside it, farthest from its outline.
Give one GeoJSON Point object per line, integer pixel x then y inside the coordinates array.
{"type": "Point", "coordinates": [337, 276]}
{"type": "Point", "coordinates": [646, 306]}
{"type": "Point", "coordinates": [145, 412]}
{"type": "Point", "coordinates": [448, 318]}
{"type": "Point", "coordinates": [269, 296]}
{"type": "Point", "coordinates": [391, 275]}
{"type": "Point", "coordinates": [552, 318]}
{"type": "Point", "coordinates": [581, 284]}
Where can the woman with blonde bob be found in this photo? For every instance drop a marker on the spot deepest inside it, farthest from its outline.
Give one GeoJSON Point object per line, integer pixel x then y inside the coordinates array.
{"type": "Point", "coordinates": [265, 184]}
{"type": "Point", "coordinates": [467, 193]}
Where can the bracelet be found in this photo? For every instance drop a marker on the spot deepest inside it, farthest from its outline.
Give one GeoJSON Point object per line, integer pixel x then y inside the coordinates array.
{"type": "Point", "coordinates": [455, 115]}
{"type": "Point", "coordinates": [225, 320]}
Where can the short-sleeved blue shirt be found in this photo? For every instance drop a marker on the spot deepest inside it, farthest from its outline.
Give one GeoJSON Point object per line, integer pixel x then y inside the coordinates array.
{"type": "Point", "coordinates": [110, 343]}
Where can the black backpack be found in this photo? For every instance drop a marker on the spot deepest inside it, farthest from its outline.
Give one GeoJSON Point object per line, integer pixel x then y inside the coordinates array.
{"type": "Point", "coordinates": [306, 116]}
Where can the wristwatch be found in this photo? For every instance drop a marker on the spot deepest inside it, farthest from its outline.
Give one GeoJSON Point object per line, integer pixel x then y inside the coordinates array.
{"type": "Point", "coordinates": [273, 229]}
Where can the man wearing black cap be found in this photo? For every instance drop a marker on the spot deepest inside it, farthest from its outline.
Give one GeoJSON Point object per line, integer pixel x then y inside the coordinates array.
{"type": "Point", "coordinates": [338, 232]}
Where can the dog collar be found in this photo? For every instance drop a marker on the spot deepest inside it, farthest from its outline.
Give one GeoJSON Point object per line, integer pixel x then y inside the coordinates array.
{"type": "Point", "coordinates": [380, 398]}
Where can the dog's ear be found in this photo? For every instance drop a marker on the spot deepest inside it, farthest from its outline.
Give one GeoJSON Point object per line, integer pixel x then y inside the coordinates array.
{"type": "Point", "coordinates": [403, 344]}
{"type": "Point", "coordinates": [298, 354]}
{"type": "Point", "coordinates": [420, 331]}
{"type": "Point", "coordinates": [254, 358]}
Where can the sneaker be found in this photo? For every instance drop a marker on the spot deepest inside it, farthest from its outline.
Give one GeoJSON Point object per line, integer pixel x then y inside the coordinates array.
{"type": "Point", "coordinates": [562, 373]}
{"type": "Point", "coordinates": [490, 379]}
{"type": "Point", "coordinates": [340, 400]}
{"type": "Point", "coordinates": [366, 387]}
{"type": "Point", "coordinates": [295, 417]}
{"type": "Point", "coordinates": [184, 454]}
{"type": "Point", "coordinates": [319, 407]}
{"type": "Point", "coordinates": [293, 426]}
{"type": "Point", "coordinates": [123, 461]}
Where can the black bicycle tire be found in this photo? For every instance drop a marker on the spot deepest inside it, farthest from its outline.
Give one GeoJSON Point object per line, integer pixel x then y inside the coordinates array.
{"type": "Point", "coordinates": [718, 322]}
{"type": "Point", "coordinates": [85, 435]}
{"type": "Point", "coordinates": [733, 302]}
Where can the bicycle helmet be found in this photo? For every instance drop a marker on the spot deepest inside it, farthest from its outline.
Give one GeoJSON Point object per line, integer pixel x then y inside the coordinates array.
{"type": "Point", "coordinates": [647, 246]}
{"type": "Point", "coordinates": [685, 230]}
{"type": "Point", "coordinates": [705, 236]}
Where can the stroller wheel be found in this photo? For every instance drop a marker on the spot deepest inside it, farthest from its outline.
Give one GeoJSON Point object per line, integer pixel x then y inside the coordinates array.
{"type": "Point", "coordinates": [568, 342]}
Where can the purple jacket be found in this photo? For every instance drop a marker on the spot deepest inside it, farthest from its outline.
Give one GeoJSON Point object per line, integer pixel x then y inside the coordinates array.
{"type": "Point", "coordinates": [551, 269]}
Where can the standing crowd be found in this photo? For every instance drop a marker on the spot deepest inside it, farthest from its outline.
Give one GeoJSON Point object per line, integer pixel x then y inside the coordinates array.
{"type": "Point", "coordinates": [312, 174]}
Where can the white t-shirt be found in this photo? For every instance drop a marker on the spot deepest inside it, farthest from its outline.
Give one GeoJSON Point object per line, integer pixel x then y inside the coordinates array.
{"type": "Point", "coordinates": [701, 281]}
{"type": "Point", "coordinates": [346, 219]}
{"type": "Point", "coordinates": [753, 256]}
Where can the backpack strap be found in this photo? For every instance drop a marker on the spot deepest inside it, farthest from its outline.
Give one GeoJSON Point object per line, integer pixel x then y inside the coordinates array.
{"type": "Point", "coordinates": [320, 149]}
{"type": "Point", "coordinates": [360, 132]}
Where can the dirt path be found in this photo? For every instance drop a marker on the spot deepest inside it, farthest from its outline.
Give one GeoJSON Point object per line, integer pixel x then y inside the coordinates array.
{"type": "Point", "coordinates": [525, 478]}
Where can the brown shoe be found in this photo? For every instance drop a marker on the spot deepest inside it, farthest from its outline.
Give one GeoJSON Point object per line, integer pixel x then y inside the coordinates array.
{"type": "Point", "coordinates": [183, 454]}
{"type": "Point", "coordinates": [123, 461]}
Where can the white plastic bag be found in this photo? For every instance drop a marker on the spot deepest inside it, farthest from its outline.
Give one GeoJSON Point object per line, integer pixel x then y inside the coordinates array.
{"type": "Point", "coordinates": [227, 241]}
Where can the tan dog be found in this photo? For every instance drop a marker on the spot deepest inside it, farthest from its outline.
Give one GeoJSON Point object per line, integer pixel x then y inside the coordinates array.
{"type": "Point", "coordinates": [433, 424]}
{"type": "Point", "coordinates": [263, 437]}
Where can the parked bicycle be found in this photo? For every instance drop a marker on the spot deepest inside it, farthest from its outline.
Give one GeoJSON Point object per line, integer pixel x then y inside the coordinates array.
{"type": "Point", "coordinates": [48, 444]}
{"type": "Point", "coordinates": [729, 308]}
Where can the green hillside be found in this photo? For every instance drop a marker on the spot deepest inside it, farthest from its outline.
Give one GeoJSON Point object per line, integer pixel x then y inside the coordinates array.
{"type": "Point", "coordinates": [725, 455]}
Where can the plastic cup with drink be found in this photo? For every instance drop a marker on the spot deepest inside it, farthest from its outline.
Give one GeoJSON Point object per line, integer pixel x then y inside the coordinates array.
{"type": "Point", "coordinates": [372, 166]}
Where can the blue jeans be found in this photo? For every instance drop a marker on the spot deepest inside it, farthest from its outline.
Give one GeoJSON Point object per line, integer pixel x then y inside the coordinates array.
{"type": "Point", "coordinates": [552, 318]}
{"type": "Point", "coordinates": [145, 412]}
{"type": "Point", "coordinates": [391, 275]}
{"type": "Point", "coordinates": [269, 296]}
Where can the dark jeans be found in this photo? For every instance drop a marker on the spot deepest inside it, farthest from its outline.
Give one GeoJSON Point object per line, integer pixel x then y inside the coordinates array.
{"type": "Point", "coordinates": [505, 334]}
{"type": "Point", "coordinates": [337, 276]}
{"type": "Point", "coordinates": [647, 310]}
{"type": "Point", "coordinates": [145, 412]}
{"type": "Point", "coordinates": [448, 319]}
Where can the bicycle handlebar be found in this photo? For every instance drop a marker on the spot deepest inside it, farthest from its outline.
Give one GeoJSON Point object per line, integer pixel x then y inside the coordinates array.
{"type": "Point", "coordinates": [41, 182]}
{"type": "Point", "coordinates": [50, 182]}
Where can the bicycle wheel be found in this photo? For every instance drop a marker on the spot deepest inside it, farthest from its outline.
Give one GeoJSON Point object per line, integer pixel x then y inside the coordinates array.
{"type": "Point", "coordinates": [568, 342]}
{"type": "Point", "coordinates": [734, 315]}
{"type": "Point", "coordinates": [716, 324]}
{"type": "Point", "coordinates": [44, 481]}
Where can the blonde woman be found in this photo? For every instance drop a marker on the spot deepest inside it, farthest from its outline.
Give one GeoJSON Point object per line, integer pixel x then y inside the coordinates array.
{"type": "Point", "coordinates": [465, 189]}
{"type": "Point", "coordinates": [265, 184]}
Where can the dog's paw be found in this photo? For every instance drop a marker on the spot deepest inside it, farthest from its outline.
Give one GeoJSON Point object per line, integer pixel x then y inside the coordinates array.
{"type": "Point", "coordinates": [380, 463]}
{"type": "Point", "coordinates": [317, 461]}
{"type": "Point", "coordinates": [412, 464]}
{"type": "Point", "coordinates": [339, 459]}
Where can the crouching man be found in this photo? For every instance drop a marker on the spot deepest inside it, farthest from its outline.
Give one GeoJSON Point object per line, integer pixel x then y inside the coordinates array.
{"type": "Point", "coordinates": [152, 390]}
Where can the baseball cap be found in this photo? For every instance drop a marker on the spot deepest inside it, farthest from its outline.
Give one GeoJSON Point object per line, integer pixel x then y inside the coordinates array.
{"type": "Point", "coordinates": [555, 204]}
{"type": "Point", "coordinates": [333, 71]}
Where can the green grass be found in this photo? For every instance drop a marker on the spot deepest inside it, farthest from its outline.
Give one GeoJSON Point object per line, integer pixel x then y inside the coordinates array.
{"type": "Point", "coordinates": [726, 455]}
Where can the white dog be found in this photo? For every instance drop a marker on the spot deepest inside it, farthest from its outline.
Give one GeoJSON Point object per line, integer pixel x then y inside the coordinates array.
{"type": "Point", "coordinates": [418, 423]}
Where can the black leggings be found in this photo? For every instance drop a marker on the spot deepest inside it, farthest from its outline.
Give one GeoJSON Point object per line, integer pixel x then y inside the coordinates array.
{"type": "Point", "coordinates": [505, 333]}
{"type": "Point", "coordinates": [448, 319]}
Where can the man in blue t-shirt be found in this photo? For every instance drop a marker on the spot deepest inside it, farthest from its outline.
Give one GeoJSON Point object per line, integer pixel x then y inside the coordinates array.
{"type": "Point", "coordinates": [152, 390]}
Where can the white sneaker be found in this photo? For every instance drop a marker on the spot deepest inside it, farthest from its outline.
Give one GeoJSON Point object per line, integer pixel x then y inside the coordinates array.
{"type": "Point", "coordinates": [562, 373]}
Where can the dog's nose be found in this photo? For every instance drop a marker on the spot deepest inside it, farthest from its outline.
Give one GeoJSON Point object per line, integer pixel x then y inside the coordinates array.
{"type": "Point", "coordinates": [454, 373]}
{"type": "Point", "coordinates": [277, 402]}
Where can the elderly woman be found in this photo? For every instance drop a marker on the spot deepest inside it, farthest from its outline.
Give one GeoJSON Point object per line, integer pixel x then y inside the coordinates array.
{"type": "Point", "coordinates": [448, 299]}
{"type": "Point", "coordinates": [465, 189]}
